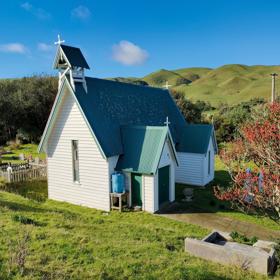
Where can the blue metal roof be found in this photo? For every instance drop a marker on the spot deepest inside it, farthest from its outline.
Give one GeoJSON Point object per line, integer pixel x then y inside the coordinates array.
{"type": "Point", "coordinates": [74, 56]}
{"type": "Point", "coordinates": [108, 105]}
{"type": "Point", "coordinates": [195, 138]}
{"type": "Point", "coordinates": [142, 146]}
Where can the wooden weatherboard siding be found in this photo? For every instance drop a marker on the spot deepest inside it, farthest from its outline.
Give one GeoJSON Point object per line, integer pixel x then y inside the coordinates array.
{"type": "Point", "coordinates": [148, 193]}
{"type": "Point", "coordinates": [193, 168]}
{"type": "Point", "coordinates": [190, 170]}
{"type": "Point", "coordinates": [94, 186]}
{"type": "Point", "coordinates": [209, 177]}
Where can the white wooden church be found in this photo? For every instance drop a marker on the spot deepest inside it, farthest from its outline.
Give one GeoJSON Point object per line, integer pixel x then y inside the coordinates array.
{"type": "Point", "coordinates": [98, 126]}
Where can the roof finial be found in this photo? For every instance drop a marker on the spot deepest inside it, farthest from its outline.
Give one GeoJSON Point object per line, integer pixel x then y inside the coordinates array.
{"type": "Point", "coordinates": [167, 122]}
{"type": "Point", "coordinates": [59, 42]}
{"type": "Point", "coordinates": [166, 86]}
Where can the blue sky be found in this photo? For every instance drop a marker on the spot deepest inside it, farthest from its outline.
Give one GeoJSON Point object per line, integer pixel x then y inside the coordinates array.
{"type": "Point", "coordinates": [134, 38]}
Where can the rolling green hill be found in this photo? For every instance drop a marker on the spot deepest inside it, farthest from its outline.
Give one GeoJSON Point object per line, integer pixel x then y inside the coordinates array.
{"type": "Point", "coordinates": [230, 84]}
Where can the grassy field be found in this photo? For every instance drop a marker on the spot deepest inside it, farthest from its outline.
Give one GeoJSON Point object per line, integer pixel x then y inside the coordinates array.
{"type": "Point", "coordinates": [26, 149]}
{"type": "Point", "coordinates": [230, 84]}
{"type": "Point", "coordinates": [44, 239]}
{"type": "Point", "coordinates": [53, 240]}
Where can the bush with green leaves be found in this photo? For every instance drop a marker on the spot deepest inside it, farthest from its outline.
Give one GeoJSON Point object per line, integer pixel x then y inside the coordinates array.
{"type": "Point", "coordinates": [243, 239]}
{"type": "Point", "coordinates": [228, 119]}
{"type": "Point", "coordinates": [192, 111]}
{"type": "Point", "coordinates": [25, 105]}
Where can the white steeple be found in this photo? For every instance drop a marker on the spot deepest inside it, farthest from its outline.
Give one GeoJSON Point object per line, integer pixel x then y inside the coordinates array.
{"type": "Point", "coordinates": [70, 62]}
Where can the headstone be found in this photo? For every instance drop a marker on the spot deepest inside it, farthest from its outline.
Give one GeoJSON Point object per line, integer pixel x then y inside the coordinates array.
{"type": "Point", "coordinates": [9, 171]}
{"type": "Point", "coordinates": [21, 156]}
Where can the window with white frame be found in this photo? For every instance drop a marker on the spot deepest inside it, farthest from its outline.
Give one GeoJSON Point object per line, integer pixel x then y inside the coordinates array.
{"type": "Point", "coordinates": [75, 157]}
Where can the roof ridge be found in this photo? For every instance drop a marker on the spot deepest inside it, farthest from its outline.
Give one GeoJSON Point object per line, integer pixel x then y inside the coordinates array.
{"type": "Point", "coordinates": [199, 124]}
{"type": "Point", "coordinates": [143, 126]}
{"type": "Point", "coordinates": [63, 45]}
{"type": "Point", "coordinates": [127, 84]}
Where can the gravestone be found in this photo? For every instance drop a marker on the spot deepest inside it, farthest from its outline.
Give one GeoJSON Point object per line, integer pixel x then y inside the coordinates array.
{"type": "Point", "coordinates": [21, 156]}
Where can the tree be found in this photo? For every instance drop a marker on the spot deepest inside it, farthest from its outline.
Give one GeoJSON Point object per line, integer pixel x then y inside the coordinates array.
{"type": "Point", "coordinates": [25, 105]}
{"type": "Point", "coordinates": [190, 110]}
{"type": "Point", "coordinates": [228, 119]}
{"type": "Point", "coordinates": [253, 161]}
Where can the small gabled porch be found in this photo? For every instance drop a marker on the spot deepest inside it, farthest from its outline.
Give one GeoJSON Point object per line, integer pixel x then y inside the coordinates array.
{"type": "Point", "coordinates": [148, 164]}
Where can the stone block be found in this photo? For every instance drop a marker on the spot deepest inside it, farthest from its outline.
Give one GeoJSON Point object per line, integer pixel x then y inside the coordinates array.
{"type": "Point", "coordinates": [216, 247]}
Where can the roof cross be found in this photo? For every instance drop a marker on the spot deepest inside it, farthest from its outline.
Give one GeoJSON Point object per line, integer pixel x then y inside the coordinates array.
{"type": "Point", "coordinates": [59, 42]}
{"type": "Point", "coordinates": [167, 122]}
{"type": "Point", "coordinates": [166, 86]}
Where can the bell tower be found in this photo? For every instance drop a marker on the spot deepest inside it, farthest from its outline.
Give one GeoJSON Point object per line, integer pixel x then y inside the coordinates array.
{"type": "Point", "coordinates": [70, 63]}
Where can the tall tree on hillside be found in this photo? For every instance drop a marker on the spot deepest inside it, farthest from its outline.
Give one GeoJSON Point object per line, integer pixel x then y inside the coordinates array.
{"type": "Point", "coordinates": [253, 162]}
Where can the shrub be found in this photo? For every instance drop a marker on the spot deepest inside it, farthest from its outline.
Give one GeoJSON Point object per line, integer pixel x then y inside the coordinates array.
{"type": "Point", "coordinates": [277, 251]}
{"type": "Point", "coordinates": [3, 182]}
{"type": "Point", "coordinates": [258, 188]}
{"type": "Point", "coordinates": [14, 145]}
{"type": "Point", "coordinates": [18, 252]}
{"type": "Point", "coordinates": [182, 81]}
{"type": "Point", "coordinates": [192, 111]}
{"type": "Point", "coordinates": [243, 239]}
{"type": "Point", "coordinates": [25, 220]}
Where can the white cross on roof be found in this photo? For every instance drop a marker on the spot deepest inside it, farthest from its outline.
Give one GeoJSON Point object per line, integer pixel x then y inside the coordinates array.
{"type": "Point", "coordinates": [59, 42]}
{"type": "Point", "coordinates": [166, 86]}
{"type": "Point", "coordinates": [167, 122]}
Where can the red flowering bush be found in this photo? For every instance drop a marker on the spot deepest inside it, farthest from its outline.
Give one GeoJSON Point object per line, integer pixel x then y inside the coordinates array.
{"type": "Point", "coordinates": [253, 162]}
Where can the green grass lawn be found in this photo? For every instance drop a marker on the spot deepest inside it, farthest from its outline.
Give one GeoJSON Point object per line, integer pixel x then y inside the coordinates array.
{"type": "Point", "coordinates": [26, 149]}
{"type": "Point", "coordinates": [205, 201]}
{"type": "Point", "coordinates": [63, 241]}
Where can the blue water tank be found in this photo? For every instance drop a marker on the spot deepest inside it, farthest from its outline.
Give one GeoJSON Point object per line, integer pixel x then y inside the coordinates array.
{"type": "Point", "coordinates": [118, 183]}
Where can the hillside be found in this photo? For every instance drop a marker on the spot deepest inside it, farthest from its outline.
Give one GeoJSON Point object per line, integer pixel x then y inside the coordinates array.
{"type": "Point", "coordinates": [230, 84]}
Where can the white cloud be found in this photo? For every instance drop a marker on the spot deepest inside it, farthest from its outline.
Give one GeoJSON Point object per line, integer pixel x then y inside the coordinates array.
{"type": "Point", "coordinates": [128, 53]}
{"type": "Point", "coordinates": [44, 47]}
{"type": "Point", "coordinates": [81, 12]}
{"type": "Point", "coordinates": [13, 48]}
{"type": "Point", "coordinates": [26, 6]}
{"type": "Point", "coordinates": [37, 12]}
